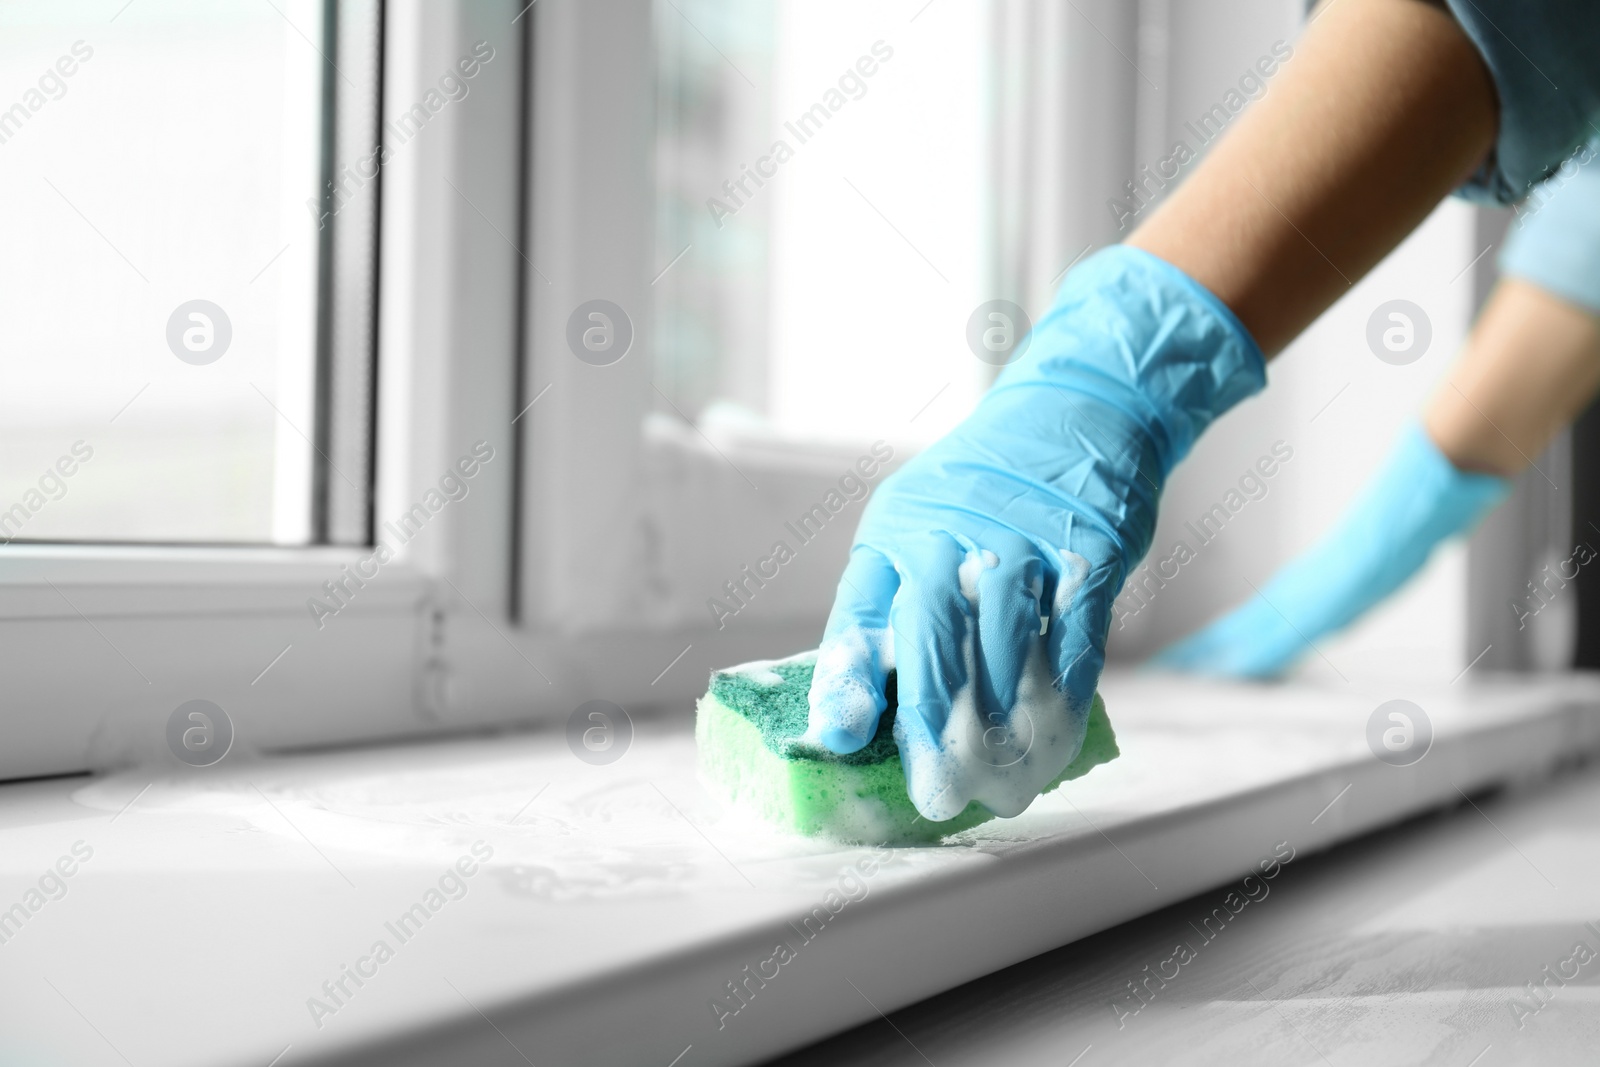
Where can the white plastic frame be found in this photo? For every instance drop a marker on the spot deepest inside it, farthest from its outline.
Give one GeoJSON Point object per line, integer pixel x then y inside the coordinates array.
{"type": "Point", "coordinates": [100, 644]}
{"type": "Point", "coordinates": [481, 247]}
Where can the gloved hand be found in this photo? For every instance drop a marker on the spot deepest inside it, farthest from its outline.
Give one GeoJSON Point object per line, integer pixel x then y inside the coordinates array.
{"type": "Point", "coordinates": [984, 570]}
{"type": "Point", "coordinates": [1417, 500]}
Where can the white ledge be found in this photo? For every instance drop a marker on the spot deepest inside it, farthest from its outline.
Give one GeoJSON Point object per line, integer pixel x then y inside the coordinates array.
{"type": "Point", "coordinates": [619, 901]}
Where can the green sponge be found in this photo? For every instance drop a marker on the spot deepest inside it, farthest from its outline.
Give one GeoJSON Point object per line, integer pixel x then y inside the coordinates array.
{"type": "Point", "coordinates": [749, 728]}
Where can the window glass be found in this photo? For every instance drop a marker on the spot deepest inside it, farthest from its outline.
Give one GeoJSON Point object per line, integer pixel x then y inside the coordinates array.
{"type": "Point", "coordinates": [158, 291]}
{"type": "Point", "coordinates": [823, 201]}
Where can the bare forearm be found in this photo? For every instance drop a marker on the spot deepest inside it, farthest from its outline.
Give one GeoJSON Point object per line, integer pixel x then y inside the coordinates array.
{"type": "Point", "coordinates": [1531, 365]}
{"type": "Point", "coordinates": [1385, 108]}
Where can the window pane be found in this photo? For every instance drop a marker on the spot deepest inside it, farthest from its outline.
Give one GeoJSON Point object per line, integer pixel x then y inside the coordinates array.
{"type": "Point", "coordinates": [158, 296]}
{"type": "Point", "coordinates": [822, 168]}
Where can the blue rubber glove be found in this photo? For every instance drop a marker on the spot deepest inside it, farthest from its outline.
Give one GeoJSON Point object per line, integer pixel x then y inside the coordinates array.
{"type": "Point", "coordinates": [984, 570]}
{"type": "Point", "coordinates": [1417, 500]}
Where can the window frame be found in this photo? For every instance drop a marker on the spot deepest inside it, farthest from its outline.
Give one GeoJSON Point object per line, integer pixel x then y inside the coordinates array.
{"type": "Point", "coordinates": [102, 641]}
{"type": "Point", "coordinates": [525, 198]}
{"type": "Point", "coordinates": [436, 644]}
{"type": "Point", "coordinates": [593, 236]}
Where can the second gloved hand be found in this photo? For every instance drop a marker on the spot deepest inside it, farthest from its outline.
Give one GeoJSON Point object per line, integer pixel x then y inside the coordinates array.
{"type": "Point", "coordinates": [984, 570]}
{"type": "Point", "coordinates": [1417, 500]}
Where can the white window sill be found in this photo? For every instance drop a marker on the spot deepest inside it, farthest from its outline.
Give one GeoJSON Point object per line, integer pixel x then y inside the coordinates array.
{"type": "Point", "coordinates": [606, 922]}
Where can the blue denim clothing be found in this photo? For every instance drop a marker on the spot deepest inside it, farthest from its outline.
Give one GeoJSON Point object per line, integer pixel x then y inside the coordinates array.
{"type": "Point", "coordinates": [1555, 242]}
{"type": "Point", "coordinates": [1542, 55]}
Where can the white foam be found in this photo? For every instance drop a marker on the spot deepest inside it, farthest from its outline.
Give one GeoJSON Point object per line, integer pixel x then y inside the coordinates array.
{"type": "Point", "coordinates": [1000, 761]}
{"type": "Point", "coordinates": [977, 561]}
{"type": "Point", "coordinates": [850, 702]}
{"type": "Point", "coordinates": [762, 672]}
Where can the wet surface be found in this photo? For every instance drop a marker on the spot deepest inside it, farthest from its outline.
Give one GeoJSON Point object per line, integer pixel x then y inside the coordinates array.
{"type": "Point", "coordinates": [224, 915]}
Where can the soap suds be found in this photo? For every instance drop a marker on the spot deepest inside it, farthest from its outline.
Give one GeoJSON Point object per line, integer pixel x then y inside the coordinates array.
{"type": "Point", "coordinates": [561, 832]}
{"type": "Point", "coordinates": [977, 561]}
{"type": "Point", "coordinates": [761, 672]}
{"type": "Point", "coordinates": [1072, 570]}
{"type": "Point", "coordinates": [840, 697]}
{"type": "Point", "coordinates": [1002, 761]}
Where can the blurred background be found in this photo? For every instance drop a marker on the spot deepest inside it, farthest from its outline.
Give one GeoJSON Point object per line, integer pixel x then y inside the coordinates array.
{"type": "Point", "coordinates": [276, 265]}
{"type": "Point", "coordinates": [994, 150]}
{"type": "Point", "coordinates": [190, 177]}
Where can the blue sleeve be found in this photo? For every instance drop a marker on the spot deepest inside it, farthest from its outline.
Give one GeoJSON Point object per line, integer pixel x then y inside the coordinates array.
{"type": "Point", "coordinates": [1542, 56]}
{"type": "Point", "coordinates": [1555, 242]}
